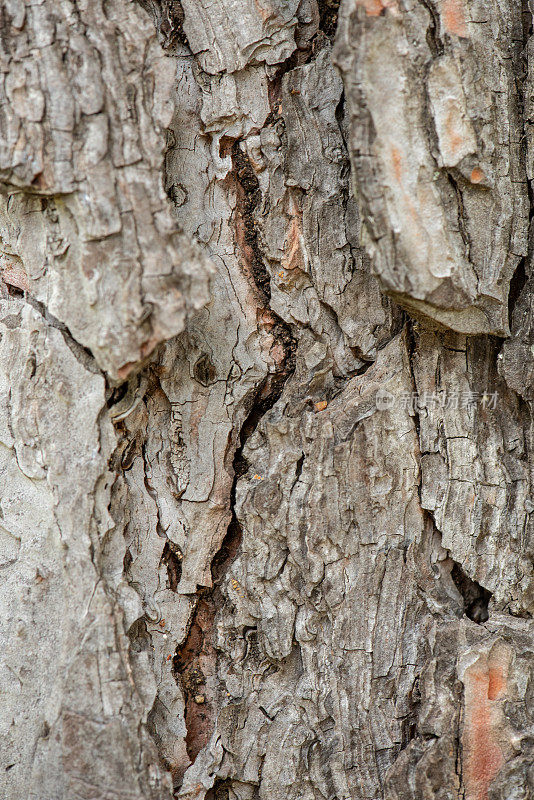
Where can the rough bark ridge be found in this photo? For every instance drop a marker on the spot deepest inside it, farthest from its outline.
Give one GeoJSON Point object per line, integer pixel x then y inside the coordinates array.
{"type": "Point", "coordinates": [266, 348]}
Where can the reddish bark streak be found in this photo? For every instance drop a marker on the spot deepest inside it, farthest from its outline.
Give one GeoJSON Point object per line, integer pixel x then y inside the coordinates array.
{"type": "Point", "coordinates": [477, 176]}
{"type": "Point", "coordinates": [374, 8]}
{"type": "Point", "coordinates": [485, 686]}
{"type": "Point", "coordinates": [195, 662]}
{"type": "Point", "coordinates": [453, 14]}
{"type": "Point", "coordinates": [397, 162]}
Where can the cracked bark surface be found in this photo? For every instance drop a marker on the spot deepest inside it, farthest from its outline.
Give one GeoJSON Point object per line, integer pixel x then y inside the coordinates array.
{"type": "Point", "coordinates": [250, 547]}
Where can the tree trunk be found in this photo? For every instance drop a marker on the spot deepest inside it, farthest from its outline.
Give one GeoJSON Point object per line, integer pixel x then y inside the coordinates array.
{"type": "Point", "coordinates": [266, 378]}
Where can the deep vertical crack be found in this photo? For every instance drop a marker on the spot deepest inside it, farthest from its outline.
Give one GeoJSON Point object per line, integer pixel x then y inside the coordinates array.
{"type": "Point", "coordinates": [198, 648]}
{"type": "Point", "coordinates": [249, 198]}
{"type": "Point", "coordinates": [195, 659]}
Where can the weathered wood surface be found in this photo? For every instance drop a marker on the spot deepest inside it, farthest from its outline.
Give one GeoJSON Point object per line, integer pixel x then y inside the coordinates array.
{"type": "Point", "coordinates": [434, 94]}
{"type": "Point", "coordinates": [262, 533]}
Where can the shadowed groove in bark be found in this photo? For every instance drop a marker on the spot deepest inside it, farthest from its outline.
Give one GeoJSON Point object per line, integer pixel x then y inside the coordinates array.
{"type": "Point", "coordinates": [328, 12]}
{"type": "Point", "coordinates": [172, 557]}
{"type": "Point", "coordinates": [520, 276]}
{"type": "Point", "coordinates": [168, 17]}
{"type": "Point", "coordinates": [189, 665]}
{"type": "Point", "coordinates": [198, 648]}
{"type": "Point", "coordinates": [409, 723]}
{"type": "Point", "coordinates": [249, 198]}
{"type": "Point", "coordinates": [517, 285]}
{"type": "Point", "coordinates": [433, 38]}
{"type": "Point", "coordinates": [476, 598]}
{"type": "Point", "coordinates": [219, 790]}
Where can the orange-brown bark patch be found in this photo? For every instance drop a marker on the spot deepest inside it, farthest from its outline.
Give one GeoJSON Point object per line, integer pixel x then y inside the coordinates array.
{"type": "Point", "coordinates": [485, 685]}
{"type": "Point", "coordinates": [396, 157]}
{"type": "Point", "coordinates": [455, 138]}
{"type": "Point", "coordinates": [124, 371]}
{"type": "Point", "coordinates": [195, 663]}
{"type": "Point", "coordinates": [453, 15]}
{"type": "Point", "coordinates": [477, 175]}
{"type": "Point", "coordinates": [15, 276]}
{"type": "Point", "coordinates": [375, 8]}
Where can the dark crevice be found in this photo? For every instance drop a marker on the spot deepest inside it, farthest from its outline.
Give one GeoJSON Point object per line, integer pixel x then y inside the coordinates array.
{"type": "Point", "coordinates": [14, 291]}
{"type": "Point", "coordinates": [266, 396]}
{"type": "Point", "coordinates": [193, 667]}
{"type": "Point", "coordinates": [340, 119]}
{"type": "Point", "coordinates": [197, 653]}
{"type": "Point", "coordinates": [248, 202]}
{"type": "Point", "coordinates": [81, 353]}
{"type": "Point", "coordinates": [412, 347]}
{"type": "Point", "coordinates": [129, 454]}
{"type": "Point", "coordinates": [117, 394]}
{"type": "Point", "coordinates": [517, 285]}
{"type": "Point", "coordinates": [409, 723]}
{"type": "Point", "coordinates": [172, 557]}
{"type": "Point", "coordinates": [275, 88]}
{"type": "Point", "coordinates": [476, 598]}
{"type": "Point", "coordinates": [433, 39]}
{"type": "Point", "coordinates": [266, 714]}
{"type": "Point", "coordinates": [328, 11]}
{"type": "Point", "coordinates": [328, 17]}
{"type": "Point", "coordinates": [127, 560]}
{"type": "Point", "coordinates": [220, 790]}
{"type": "Point", "coordinates": [168, 17]}
{"type": "Point", "coordinates": [198, 650]}
{"type": "Point", "coordinates": [462, 221]}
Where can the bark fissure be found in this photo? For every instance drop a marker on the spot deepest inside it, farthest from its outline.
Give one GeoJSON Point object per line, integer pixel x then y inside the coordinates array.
{"type": "Point", "coordinates": [248, 201]}
{"type": "Point", "coordinates": [198, 647]}
{"type": "Point", "coordinates": [475, 597]}
{"type": "Point", "coordinates": [83, 354]}
{"type": "Point", "coordinates": [279, 508]}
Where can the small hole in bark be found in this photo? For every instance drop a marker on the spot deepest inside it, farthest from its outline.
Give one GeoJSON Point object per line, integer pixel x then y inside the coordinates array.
{"type": "Point", "coordinates": [476, 598]}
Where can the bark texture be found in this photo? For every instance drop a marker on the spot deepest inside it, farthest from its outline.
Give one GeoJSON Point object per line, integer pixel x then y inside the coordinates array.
{"type": "Point", "coordinates": [266, 379]}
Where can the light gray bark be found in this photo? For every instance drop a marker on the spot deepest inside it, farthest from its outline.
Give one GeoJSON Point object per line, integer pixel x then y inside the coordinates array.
{"type": "Point", "coordinates": [239, 560]}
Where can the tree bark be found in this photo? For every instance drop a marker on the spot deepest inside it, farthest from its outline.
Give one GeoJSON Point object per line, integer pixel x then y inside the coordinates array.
{"type": "Point", "coordinates": [266, 378]}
